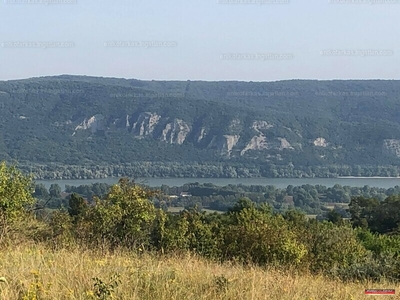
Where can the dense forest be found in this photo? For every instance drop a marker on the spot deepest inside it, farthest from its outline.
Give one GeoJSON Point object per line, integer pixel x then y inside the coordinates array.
{"type": "Point", "coordinates": [93, 127]}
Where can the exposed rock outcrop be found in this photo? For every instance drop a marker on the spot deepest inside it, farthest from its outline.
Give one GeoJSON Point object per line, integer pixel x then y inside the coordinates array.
{"type": "Point", "coordinates": [256, 143]}
{"type": "Point", "coordinates": [175, 132]}
{"type": "Point", "coordinates": [145, 124]}
{"type": "Point", "coordinates": [392, 147]}
{"type": "Point", "coordinates": [224, 144]}
{"type": "Point", "coordinates": [320, 142]}
{"type": "Point", "coordinates": [201, 135]}
{"type": "Point", "coordinates": [93, 124]}
{"type": "Point", "coordinates": [261, 125]}
{"type": "Point", "coordinates": [285, 144]}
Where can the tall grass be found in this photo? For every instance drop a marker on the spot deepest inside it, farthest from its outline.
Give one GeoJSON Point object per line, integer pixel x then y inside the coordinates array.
{"type": "Point", "coordinates": [34, 270]}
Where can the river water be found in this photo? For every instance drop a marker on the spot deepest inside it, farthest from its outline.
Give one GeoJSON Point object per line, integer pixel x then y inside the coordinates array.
{"type": "Point", "coordinates": [277, 182]}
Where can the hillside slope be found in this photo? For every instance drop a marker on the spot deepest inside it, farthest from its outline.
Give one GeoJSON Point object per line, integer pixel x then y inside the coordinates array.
{"type": "Point", "coordinates": [87, 120]}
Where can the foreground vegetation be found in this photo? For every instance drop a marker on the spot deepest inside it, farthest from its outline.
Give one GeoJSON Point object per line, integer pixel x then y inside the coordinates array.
{"type": "Point", "coordinates": [33, 270]}
{"type": "Point", "coordinates": [121, 245]}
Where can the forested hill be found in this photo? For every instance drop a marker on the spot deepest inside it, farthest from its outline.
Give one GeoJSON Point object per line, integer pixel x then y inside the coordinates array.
{"type": "Point", "coordinates": [80, 120]}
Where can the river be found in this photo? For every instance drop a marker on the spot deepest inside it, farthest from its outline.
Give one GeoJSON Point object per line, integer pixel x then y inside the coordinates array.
{"type": "Point", "coordinates": [277, 182]}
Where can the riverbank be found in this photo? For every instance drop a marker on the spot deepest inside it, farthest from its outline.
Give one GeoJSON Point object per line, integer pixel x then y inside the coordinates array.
{"type": "Point", "coordinates": [219, 169]}
{"type": "Point", "coordinates": [367, 177]}
{"type": "Point", "coordinates": [379, 182]}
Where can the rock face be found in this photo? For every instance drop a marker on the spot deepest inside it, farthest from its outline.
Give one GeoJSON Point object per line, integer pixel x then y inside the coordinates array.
{"type": "Point", "coordinates": [320, 142]}
{"type": "Point", "coordinates": [256, 143]}
{"type": "Point", "coordinates": [259, 142]}
{"type": "Point", "coordinates": [392, 147]}
{"type": "Point", "coordinates": [94, 124]}
{"type": "Point", "coordinates": [155, 126]}
{"type": "Point", "coordinates": [224, 144]}
{"type": "Point", "coordinates": [261, 125]}
{"type": "Point", "coordinates": [228, 144]}
{"type": "Point", "coordinates": [284, 144]}
{"type": "Point", "coordinates": [201, 135]}
{"type": "Point", "coordinates": [127, 123]}
{"type": "Point", "coordinates": [145, 124]}
{"type": "Point", "coordinates": [175, 132]}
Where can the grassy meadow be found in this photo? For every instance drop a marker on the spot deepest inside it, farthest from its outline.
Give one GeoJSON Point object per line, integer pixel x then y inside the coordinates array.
{"type": "Point", "coordinates": [33, 271]}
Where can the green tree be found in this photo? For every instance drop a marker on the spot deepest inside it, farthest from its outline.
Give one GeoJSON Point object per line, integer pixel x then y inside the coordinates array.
{"type": "Point", "coordinates": [361, 210]}
{"type": "Point", "coordinates": [241, 204]}
{"type": "Point", "coordinates": [334, 217]}
{"type": "Point", "coordinates": [331, 246]}
{"type": "Point", "coordinates": [77, 206]}
{"type": "Point", "coordinates": [15, 196]}
{"type": "Point", "coordinates": [55, 190]}
{"type": "Point", "coordinates": [256, 235]}
{"type": "Point", "coordinates": [41, 191]}
{"type": "Point", "coordinates": [125, 217]}
{"type": "Point", "coordinates": [15, 191]}
{"type": "Point", "coordinates": [386, 218]}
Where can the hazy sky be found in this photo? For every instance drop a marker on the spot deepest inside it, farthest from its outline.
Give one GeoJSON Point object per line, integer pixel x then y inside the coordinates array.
{"type": "Point", "coordinates": [201, 39]}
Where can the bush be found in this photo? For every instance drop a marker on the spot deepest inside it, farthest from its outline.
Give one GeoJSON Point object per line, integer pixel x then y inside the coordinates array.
{"type": "Point", "coordinates": [192, 231]}
{"type": "Point", "coordinates": [125, 217]}
{"type": "Point", "coordinates": [379, 244]}
{"type": "Point", "coordinates": [15, 198]}
{"type": "Point", "coordinates": [331, 246]}
{"type": "Point", "coordinates": [257, 236]}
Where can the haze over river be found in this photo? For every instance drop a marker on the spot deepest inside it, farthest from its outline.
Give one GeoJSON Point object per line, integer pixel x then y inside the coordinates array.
{"type": "Point", "coordinates": [277, 182]}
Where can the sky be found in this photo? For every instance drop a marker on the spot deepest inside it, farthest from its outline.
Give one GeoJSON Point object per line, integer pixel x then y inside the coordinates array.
{"type": "Point", "coordinates": [246, 40]}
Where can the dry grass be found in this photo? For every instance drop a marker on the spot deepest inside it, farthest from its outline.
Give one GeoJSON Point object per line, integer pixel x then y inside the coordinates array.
{"type": "Point", "coordinates": [67, 274]}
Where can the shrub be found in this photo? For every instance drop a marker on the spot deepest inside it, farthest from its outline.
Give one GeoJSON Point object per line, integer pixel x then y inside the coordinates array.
{"type": "Point", "coordinates": [15, 198]}
{"type": "Point", "coordinates": [192, 231]}
{"type": "Point", "coordinates": [125, 216]}
{"type": "Point", "coordinates": [331, 246]}
{"type": "Point", "coordinates": [258, 236]}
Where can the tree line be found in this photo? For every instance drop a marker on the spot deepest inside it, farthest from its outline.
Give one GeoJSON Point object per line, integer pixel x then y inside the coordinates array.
{"type": "Point", "coordinates": [310, 199]}
{"type": "Point", "coordinates": [216, 169]}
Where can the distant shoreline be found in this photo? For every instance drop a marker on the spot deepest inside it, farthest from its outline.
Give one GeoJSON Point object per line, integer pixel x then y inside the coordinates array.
{"type": "Point", "coordinates": [365, 177]}
{"type": "Point", "coordinates": [380, 182]}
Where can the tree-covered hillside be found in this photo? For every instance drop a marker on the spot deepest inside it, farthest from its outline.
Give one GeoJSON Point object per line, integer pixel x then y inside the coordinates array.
{"type": "Point", "coordinates": [300, 124]}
